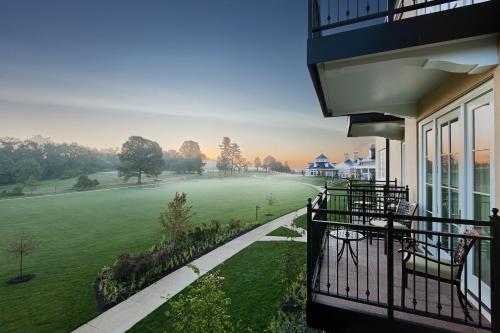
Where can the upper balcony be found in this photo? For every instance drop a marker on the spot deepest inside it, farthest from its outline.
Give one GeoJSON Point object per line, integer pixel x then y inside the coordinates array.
{"type": "Point", "coordinates": [382, 56]}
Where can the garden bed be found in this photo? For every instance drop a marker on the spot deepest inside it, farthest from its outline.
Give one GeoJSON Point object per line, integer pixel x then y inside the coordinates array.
{"type": "Point", "coordinates": [132, 273]}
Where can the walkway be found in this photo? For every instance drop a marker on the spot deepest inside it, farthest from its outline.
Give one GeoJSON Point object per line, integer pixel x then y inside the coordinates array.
{"type": "Point", "coordinates": [123, 316]}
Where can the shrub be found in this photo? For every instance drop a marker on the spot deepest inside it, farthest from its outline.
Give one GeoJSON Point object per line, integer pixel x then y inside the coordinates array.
{"type": "Point", "coordinates": [18, 189]}
{"type": "Point", "coordinates": [85, 183]}
{"type": "Point", "coordinates": [131, 273]}
{"type": "Point", "coordinates": [205, 308]}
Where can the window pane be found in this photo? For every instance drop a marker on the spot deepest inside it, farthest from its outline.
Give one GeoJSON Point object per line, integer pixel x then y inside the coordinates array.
{"type": "Point", "coordinates": [481, 207]}
{"type": "Point", "coordinates": [485, 256]}
{"type": "Point", "coordinates": [455, 140]}
{"type": "Point", "coordinates": [444, 170]}
{"type": "Point", "coordinates": [428, 198]}
{"type": "Point", "coordinates": [444, 202]}
{"type": "Point", "coordinates": [429, 148]}
{"type": "Point", "coordinates": [482, 171]}
{"type": "Point", "coordinates": [454, 205]}
{"type": "Point", "coordinates": [445, 143]}
{"type": "Point", "coordinates": [482, 127]}
{"type": "Point", "coordinates": [454, 170]}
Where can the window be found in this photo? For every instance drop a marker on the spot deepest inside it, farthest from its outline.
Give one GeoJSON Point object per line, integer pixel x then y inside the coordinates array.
{"type": "Point", "coordinates": [381, 163]}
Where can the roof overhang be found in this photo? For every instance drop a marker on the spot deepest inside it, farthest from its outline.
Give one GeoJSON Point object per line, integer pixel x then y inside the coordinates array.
{"type": "Point", "coordinates": [387, 68]}
{"type": "Point", "coordinates": [374, 124]}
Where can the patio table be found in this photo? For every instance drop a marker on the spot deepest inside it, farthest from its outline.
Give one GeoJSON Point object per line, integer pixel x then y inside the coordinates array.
{"type": "Point", "coordinates": [347, 236]}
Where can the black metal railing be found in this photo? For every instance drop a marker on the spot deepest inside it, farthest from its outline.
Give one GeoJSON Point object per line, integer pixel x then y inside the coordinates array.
{"type": "Point", "coordinates": [423, 274]}
{"type": "Point", "coordinates": [364, 197]}
{"type": "Point", "coordinates": [331, 16]}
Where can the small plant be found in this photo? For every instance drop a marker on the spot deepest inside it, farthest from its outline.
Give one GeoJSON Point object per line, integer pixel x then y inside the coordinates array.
{"type": "Point", "coordinates": [205, 308]}
{"type": "Point", "coordinates": [271, 200]}
{"type": "Point", "coordinates": [175, 221]}
{"type": "Point", "coordinates": [85, 183]}
{"type": "Point", "coordinates": [21, 245]}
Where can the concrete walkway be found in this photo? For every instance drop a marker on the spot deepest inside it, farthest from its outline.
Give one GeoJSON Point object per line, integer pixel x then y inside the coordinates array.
{"type": "Point", "coordinates": [123, 316]}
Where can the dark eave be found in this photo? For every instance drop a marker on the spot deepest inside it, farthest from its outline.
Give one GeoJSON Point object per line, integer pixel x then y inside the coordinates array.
{"type": "Point", "coordinates": [375, 124]}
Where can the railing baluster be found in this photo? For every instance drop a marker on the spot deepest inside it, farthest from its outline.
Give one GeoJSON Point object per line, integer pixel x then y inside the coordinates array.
{"type": "Point", "coordinates": [390, 267]}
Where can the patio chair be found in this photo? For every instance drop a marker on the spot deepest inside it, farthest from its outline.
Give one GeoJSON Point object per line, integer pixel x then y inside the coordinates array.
{"type": "Point", "coordinates": [434, 268]}
{"type": "Point", "coordinates": [403, 208]}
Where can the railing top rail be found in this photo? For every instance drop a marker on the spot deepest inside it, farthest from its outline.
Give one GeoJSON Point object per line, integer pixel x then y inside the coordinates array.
{"type": "Point", "coordinates": [404, 217]}
{"type": "Point", "coordinates": [368, 227]}
{"type": "Point", "coordinates": [369, 188]}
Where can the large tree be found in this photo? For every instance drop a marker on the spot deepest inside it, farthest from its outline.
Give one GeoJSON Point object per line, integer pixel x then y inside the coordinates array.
{"type": "Point", "coordinates": [140, 156]}
{"type": "Point", "coordinates": [257, 163]}
{"type": "Point", "coordinates": [224, 160]}
{"type": "Point", "coordinates": [268, 163]}
{"type": "Point", "coordinates": [191, 148]}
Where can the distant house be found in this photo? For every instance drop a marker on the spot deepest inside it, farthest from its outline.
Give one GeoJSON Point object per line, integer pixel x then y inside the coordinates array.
{"type": "Point", "coordinates": [358, 168]}
{"type": "Point", "coordinates": [320, 167]}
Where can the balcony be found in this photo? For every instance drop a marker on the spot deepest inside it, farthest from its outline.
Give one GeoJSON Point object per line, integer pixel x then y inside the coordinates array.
{"type": "Point", "coordinates": [358, 286]}
{"type": "Point", "coordinates": [383, 56]}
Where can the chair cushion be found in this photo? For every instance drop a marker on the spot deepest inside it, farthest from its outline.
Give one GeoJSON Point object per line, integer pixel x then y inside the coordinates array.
{"type": "Point", "coordinates": [383, 224]}
{"type": "Point", "coordinates": [432, 267]}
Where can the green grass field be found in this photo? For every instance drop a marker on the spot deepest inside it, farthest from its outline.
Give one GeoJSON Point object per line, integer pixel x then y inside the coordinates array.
{"type": "Point", "coordinates": [255, 289]}
{"type": "Point", "coordinates": [106, 179]}
{"type": "Point", "coordinates": [81, 232]}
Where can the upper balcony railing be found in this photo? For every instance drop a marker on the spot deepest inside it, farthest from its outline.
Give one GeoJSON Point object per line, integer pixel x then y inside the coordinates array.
{"type": "Point", "coordinates": [334, 16]}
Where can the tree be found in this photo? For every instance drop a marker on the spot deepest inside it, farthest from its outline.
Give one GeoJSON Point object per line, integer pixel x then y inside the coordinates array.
{"type": "Point", "coordinates": [31, 183]}
{"type": "Point", "coordinates": [204, 308]}
{"type": "Point", "coordinates": [28, 168]}
{"type": "Point", "coordinates": [235, 156]}
{"type": "Point", "coordinates": [257, 163]}
{"type": "Point", "coordinates": [21, 245]}
{"type": "Point", "coordinates": [224, 159]}
{"type": "Point", "coordinates": [271, 200]}
{"type": "Point", "coordinates": [140, 156]}
{"type": "Point", "coordinates": [191, 149]}
{"type": "Point", "coordinates": [268, 163]}
{"type": "Point", "coordinates": [175, 221]}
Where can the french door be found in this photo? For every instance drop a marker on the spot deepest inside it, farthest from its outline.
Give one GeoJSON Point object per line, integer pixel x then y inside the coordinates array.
{"type": "Point", "coordinates": [450, 142]}
{"type": "Point", "coordinates": [480, 185]}
{"type": "Point", "coordinates": [457, 177]}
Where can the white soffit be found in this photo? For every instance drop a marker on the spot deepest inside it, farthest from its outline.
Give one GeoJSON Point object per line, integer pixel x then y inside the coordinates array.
{"type": "Point", "coordinates": [393, 82]}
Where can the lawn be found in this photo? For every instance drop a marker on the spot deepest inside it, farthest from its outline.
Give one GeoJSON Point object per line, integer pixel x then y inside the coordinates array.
{"type": "Point", "coordinates": [251, 280]}
{"type": "Point", "coordinates": [284, 232]}
{"type": "Point", "coordinates": [301, 222]}
{"type": "Point", "coordinates": [106, 179]}
{"type": "Point", "coordinates": [81, 232]}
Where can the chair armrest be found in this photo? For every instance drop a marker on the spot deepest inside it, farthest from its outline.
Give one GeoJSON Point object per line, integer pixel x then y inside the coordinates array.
{"type": "Point", "coordinates": [412, 240]}
{"type": "Point", "coordinates": [428, 257]}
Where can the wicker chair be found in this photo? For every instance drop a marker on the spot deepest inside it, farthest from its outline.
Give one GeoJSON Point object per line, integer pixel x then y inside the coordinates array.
{"type": "Point", "coordinates": [435, 268]}
{"type": "Point", "coordinates": [403, 208]}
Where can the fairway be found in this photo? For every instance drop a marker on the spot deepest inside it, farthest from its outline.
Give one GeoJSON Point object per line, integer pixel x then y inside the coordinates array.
{"type": "Point", "coordinates": [81, 232]}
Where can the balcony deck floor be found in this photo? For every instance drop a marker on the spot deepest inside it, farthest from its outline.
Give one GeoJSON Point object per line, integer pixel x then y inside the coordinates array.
{"type": "Point", "coordinates": [351, 282]}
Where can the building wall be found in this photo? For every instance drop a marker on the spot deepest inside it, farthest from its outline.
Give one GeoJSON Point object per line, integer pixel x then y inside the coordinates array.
{"type": "Point", "coordinates": [438, 98]}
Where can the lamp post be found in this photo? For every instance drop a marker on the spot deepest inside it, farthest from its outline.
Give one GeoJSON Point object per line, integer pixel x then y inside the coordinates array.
{"type": "Point", "coordinates": [257, 207]}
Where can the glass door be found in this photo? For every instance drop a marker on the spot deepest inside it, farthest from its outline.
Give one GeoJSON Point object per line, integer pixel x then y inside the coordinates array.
{"type": "Point", "coordinates": [450, 145]}
{"type": "Point", "coordinates": [428, 152]}
{"type": "Point", "coordinates": [480, 180]}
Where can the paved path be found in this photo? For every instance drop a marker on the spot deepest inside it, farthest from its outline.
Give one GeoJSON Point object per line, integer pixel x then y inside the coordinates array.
{"type": "Point", "coordinates": [123, 316]}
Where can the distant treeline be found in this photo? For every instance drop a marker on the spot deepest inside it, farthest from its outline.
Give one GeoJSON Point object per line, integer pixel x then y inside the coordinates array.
{"type": "Point", "coordinates": [40, 158]}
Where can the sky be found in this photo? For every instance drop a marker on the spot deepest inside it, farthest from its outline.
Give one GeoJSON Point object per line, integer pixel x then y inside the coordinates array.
{"type": "Point", "coordinates": [97, 72]}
